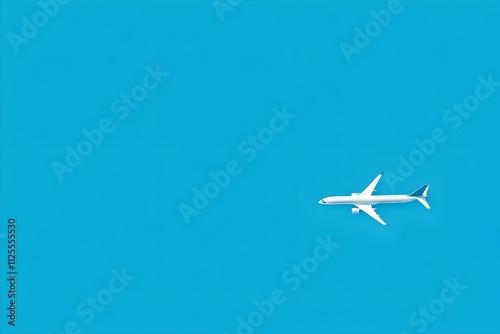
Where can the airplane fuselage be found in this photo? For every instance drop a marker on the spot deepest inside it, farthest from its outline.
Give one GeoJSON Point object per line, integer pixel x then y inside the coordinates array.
{"type": "Point", "coordinates": [366, 200]}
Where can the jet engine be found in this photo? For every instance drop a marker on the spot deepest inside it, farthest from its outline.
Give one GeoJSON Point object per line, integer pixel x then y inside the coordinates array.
{"type": "Point", "coordinates": [355, 210]}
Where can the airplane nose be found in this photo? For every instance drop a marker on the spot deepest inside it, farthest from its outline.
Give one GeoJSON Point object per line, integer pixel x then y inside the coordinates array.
{"type": "Point", "coordinates": [321, 201]}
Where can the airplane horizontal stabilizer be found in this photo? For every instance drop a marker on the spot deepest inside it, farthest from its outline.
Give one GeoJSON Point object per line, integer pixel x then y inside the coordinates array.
{"type": "Point", "coordinates": [424, 202]}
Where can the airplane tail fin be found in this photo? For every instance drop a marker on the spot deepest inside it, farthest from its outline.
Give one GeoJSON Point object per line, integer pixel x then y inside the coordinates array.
{"type": "Point", "coordinates": [421, 195]}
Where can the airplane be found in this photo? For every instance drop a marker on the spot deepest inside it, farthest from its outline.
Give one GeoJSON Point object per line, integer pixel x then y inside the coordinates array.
{"type": "Point", "coordinates": [364, 201]}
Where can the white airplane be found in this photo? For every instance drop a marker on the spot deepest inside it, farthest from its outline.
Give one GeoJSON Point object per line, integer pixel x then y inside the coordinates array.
{"type": "Point", "coordinates": [364, 201]}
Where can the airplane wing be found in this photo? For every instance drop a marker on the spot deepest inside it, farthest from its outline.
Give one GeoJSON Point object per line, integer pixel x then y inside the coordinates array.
{"type": "Point", "coordinates": [369, 190]}
{"type": "Point", "coordinates": [368, 209]}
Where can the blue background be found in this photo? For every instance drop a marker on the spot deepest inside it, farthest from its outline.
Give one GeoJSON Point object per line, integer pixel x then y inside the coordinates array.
{"type": "Point", "coordinates": [119, 208]}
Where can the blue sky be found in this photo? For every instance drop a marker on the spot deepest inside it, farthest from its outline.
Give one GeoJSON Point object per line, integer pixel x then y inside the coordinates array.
{"type": "Point", "coordinates": [115, 114]}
